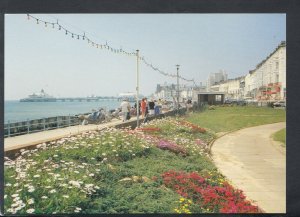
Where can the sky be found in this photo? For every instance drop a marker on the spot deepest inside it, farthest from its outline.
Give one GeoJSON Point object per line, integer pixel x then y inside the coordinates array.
{"type": "Point", "coordinates": [39, 57]}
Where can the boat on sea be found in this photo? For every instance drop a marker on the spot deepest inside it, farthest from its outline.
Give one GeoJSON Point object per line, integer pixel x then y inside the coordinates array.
{"type": "Point", "coordinates": [41, 97]}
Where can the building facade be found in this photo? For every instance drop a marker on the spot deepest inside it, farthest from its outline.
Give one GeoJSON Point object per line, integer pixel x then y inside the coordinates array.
{"type": "Point", "coordinates": [215, 78]}
{"type": "Point", "coordinates": [266, 82]}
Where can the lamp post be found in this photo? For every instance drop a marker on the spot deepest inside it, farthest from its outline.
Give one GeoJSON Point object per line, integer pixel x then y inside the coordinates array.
{"type": "Point", "coordinates": [137, 89]}
{"type": "Point", "coordinates": [177, 66]}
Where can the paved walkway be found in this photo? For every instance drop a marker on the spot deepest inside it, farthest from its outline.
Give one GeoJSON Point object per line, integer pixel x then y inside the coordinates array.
{"type": "Point", "coordinates": [255, 164]}
{"type": "Point", "coordinates": [22, 141]}
{"type": "Point", "coordinates": [17, 142]}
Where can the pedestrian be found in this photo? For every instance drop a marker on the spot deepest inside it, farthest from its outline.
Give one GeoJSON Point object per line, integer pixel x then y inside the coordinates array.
{"type": "Point", "coordinates": [143, 107]}
{"type": "Point", "coordinates": [151, 107]}
{"type": "Point", "coordinates": [147, 106]}
{"type": "Point", "coordinates": [157, 107]}
{"type": "Point", "coordinates": [189, 105]}
{"type": "Point", "coordinates": [139, 107]}
{"type": "Point", "coordinates": [132, 111]}
{"type": "Point", "coordinates": [125, 106]}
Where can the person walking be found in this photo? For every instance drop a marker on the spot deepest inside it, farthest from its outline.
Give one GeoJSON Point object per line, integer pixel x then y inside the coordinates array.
{"type": "Point", "coordinates": [189, 105]}
{"type": "Point", "coordinates": [143, 107]}
{"type": "Point", "coordinates": [147, 107]}
{"type": "Point", "coordinates": [139, 107]}
{"type": "Point", "coordinates": [151, 107]}
{"type": "Point", "coordinates": [125, 106]}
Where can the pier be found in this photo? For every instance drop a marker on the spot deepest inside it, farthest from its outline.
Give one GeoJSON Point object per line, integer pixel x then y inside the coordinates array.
{"type": "Point", "coordinates": [87, 99]}
{"type": "Point", "coordinates": [71, 99]}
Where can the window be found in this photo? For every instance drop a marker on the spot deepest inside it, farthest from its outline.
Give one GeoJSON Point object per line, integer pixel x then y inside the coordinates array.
{"type": "Point", "coordinates": [218, 98]}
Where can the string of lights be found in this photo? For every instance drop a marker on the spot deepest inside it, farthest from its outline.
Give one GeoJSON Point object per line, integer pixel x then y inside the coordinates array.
{"type": "Point", "coordinates": [106, 46]}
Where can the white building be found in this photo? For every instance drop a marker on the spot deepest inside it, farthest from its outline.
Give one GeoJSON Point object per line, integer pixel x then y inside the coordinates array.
{"type": "Point", "coordinates": [165, 91]}
{"type": "Point", "coordinates": [215, 78]}
{"type": "Point", "coordinates": [169, 92]}
{"type": "Point", "coordinates": [250, 85]}
{"type": "Point", "coordinates": [233, 88]}
{"type": "Point", "coordinates": [268, 80]}
{"type": "Point", "coordinates": [186, 92]}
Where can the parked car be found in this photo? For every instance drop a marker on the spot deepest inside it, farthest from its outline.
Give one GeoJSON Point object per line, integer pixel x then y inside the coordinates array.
{"type": "Point", "coordinates": [230, 101]}
{"type": "Point", "coordinates": [250, 100]}
{"type": "Point", "coordinates": [279, 104]}
{"type": "Point", "coordinates": [235, 102]}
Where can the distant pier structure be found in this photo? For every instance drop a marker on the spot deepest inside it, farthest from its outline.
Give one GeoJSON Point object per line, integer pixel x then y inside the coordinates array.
{"type": "Point", "coordinates": [44, 97]}
{"type": "Point", "coordinates": [71, 99]}
{"type": "Point", "coordinates": [87, 99]}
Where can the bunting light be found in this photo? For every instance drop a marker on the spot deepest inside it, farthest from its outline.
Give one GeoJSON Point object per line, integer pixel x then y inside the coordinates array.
{"type": "Point", "coordinates": [105, 46]}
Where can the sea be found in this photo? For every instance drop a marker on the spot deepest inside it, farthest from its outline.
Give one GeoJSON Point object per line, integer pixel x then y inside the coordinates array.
{"type": "Point", "coordinates": [15, 111]}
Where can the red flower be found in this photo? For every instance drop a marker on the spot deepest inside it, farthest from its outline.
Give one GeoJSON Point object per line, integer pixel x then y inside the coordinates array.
{"type": "Point", "coordinates": [223, 199]}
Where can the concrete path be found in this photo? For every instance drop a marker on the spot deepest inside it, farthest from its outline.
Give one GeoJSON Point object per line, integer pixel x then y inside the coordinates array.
{"type": "Point", "coordinates": [23, 141]}
{"type": "Point", "coordinates": [17, 142]}
{"type": "Point", "coordinates": [255, 164]}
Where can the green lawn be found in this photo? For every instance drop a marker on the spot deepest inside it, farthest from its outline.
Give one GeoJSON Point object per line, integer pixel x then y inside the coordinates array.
{"type": "Point", "coordinates": [224, 119]}
{"type": "Point", "coordinates": [280, 136]}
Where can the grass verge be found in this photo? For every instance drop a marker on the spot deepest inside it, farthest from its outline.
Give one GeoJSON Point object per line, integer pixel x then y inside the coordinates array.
{"type": "Point", "coordinates": [280, 136]}
{"type": "Point", "coordinates": [225, 119]}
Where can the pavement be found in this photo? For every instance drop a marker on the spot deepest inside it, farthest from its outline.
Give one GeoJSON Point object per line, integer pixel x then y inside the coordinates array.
{"type": "Point", "coordinates": [22, 141]}
{"type": "Point", "coordinates": [254, 163]}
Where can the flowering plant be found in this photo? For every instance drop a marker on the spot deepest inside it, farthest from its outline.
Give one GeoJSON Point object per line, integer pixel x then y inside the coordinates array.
{"type": "Point", "coordinates": [194, 127]}
{"type": "Point", "coordinates": [167, 145]}
{"type": "Point", "coordinates": [219, 198]}
{"type": "Point", "coordinates": [184, 206]}
{"type": "Point", "coordinates": [66, 172]}
{"type": "Point", "coordinates": [82, 173]}
{"type": "Point", "coordinates": [149, 129]}
{"type": "Point", "coordinates": [181, 133]}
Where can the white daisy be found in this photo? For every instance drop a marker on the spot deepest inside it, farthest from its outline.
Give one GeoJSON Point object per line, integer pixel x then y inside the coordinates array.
{"type": "Point", "coordinates": [30, 210]}
{"type": "Point", "coordinates": [52, 191]}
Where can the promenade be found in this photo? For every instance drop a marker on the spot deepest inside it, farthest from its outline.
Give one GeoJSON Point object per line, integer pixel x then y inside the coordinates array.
{"type": "Point", "coordinates": [251, 160]}
{"type": "Point", "coordinates": [23, 141]}
{"type": "Point", "coordinates": [32, 139]}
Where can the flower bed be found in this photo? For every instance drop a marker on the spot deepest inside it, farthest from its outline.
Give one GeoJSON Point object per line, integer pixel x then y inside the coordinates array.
{"type": "Point", "coordinates": [221, 198]}
{"type": "Point", "coordinates": [108, 171]}
{"type": "Point", "coordinates": [179, 133]}
{"type": "Point", "coordinates": [149, 129]}
{"type": "Point", "coordinates": [193, 126]}
{"type": "Point", "coordinates": [167, 145]}
{"type": "Point", "coordinates": [66, 172]}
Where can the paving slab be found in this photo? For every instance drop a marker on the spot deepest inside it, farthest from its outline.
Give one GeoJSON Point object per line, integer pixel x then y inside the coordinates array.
{"type": "Point", "coordinates": [252, 162]}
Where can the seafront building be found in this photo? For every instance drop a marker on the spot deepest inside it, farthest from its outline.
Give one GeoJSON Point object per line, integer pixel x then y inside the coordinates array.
{"type": "Point", "coordinates": [215, 78]}
{"type": "Point", "coordinates": [165, 91]}
{"type": "Point", "coordinates": [234, 88]}
{"type": "Point", "coordinates": [266, 82]}
{"type": "Point", "coordinates": [169, 91]}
